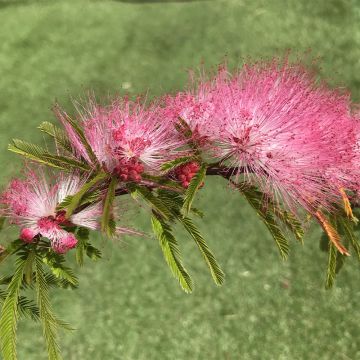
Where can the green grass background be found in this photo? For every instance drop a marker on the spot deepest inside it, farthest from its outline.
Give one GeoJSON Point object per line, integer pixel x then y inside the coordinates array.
{"type": "Point", "coordinates": [128, 306]}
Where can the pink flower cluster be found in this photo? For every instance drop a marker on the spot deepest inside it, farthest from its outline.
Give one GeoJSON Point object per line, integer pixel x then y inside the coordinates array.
{"type": "Point", "coordinates": [291, 135]}
{"type": "Point", "coordinates": [124, 135]}
{"type": "Point", "coordinates": [31, 204]}
{"type": "Point", "coordinates": [184, 173]}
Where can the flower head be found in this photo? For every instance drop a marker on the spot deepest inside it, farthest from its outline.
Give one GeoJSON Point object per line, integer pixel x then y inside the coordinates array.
{"type": "Point", "coordinates": [287, 132]}
{"type": "Point", "coordinates": [126, 137]}
{"type": "Point", "coordinates": [31, 204]}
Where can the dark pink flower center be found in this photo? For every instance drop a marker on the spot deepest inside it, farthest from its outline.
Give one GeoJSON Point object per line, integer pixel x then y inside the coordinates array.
{"type": "Point", "coordinates": [184, 173]}
{"type": "Point", "coordinates": [49, 223]}
{"type": "Point", "coordinates": [129, 170]}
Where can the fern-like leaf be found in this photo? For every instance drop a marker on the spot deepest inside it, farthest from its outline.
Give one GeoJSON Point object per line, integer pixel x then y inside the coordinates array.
{"type": "Point", "coordinates": [170, 165]}
{"type": "Point", "coordinates": [349, 234]}
{"type": "Point", "coordinates": [154, 201]}
{"type": "Point", "coordinates": [107, 209]}
{"type": "Point", "coordinates": [65, 273]}
{"type": "Point", "coordinates": [254, 198]}
{"type": "Point", "coordinates": [331, 266]}
{"type": "Point", "coordinates": [331, 232]}
{"type": "Point", "coordinates": [70, 203]}
{"type": "Point", "coordinates": [291, 222]}
{"type": "Point", "coordinates": [82, 236]}
{"type": "Point", "coordinates": [27, 308]}
{"type": "Point", "coordinates": [216, 272]}
{"type": "Point", "coordinates": [41, 155]}
{"type": "Point", "coordinates": [54, 281]}
{"type": "Point", "coordinates": [171, 252]}
{"type": "Point", "coordinates": [10, 310]}
{"type": "Point", "coordinates": [193, 187]}
{"type": "Point", "coordinates": [92, 252]}
{"type": "Point", "coordinates": [59, 135]}
{"type": "Point", "coordinates": [48, 319]}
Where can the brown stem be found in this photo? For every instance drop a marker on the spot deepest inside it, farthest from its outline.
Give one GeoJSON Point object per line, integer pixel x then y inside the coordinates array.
{"type": "Point", "coordinates": [225, 172]}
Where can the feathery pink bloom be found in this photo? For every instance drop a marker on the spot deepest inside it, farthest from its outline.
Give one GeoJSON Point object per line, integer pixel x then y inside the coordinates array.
{"type": "Point", "coordinates": [126, 137]}
{"type": "Point", "coordinates": [275, 121]}
{"type": "Point", "coordinates": [351, 171]}
{"type": "Point", "coordinates": [31, 204]}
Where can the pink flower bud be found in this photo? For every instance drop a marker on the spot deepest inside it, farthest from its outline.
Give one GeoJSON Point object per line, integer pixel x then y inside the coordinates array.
{"type": "Point", "coordinates": [139, 168]}
{"type": "Point", "coordinates": [185, 184]}
{"type": "Point", "coordinates": [64, 244]}
{"type": "Point", "coordinates": [27, 235]}
{"type": "Point", "coordinates": [194, 167]}
{"type": "Point", "coordinates": [123, 177]}
{"type": "Point", "coordinates": [186, 170]}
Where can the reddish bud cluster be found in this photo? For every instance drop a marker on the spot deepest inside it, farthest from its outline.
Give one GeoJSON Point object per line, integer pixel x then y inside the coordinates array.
{"type": "Point", "coordinates": [129, 170]}
{"type": "Point", "coordinates": [184, 173]}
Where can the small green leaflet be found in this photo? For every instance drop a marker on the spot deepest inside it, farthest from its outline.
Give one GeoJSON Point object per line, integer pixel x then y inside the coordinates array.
{"type": "Point", "coordinates": [154, 201]}
{"type": "Point", "coordinates": [171, 252]}
{"type": "Point", "coordinates": [58, 134]}
{"type": "Point", "coordinates": [193, 187]}
{"type": "Point", "coordinates": [290, 220]}
{"type": "Point", "coordinates": [347, 228]}
{"type": "Point", "coordinates": [10, 310]}
{"type": "Point", "coordinates": [331, 266]}
{"type": "Point", "coordinates": [82, 237]}
{"type": "Point", "coordinates": [253, 196]}
{"type": "Point", "coordinates": [177, 162]}
{"type": "Point", "coordinates": [106, 226]}
{"type": "Point", "coordinates": [216, 272]}
{"type": "Point", "coordinates": [38, 154]}
{"type": "Point", "coordinates": [48, 319]}
{"type": "Point", "coordinates": [71, 203]}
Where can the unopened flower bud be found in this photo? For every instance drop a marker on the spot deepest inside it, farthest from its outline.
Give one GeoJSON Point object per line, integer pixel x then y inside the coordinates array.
{"type": "Point", "coordinates": [27, 235]}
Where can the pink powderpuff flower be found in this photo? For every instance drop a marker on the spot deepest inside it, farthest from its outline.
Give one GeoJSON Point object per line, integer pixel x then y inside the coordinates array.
{"type": "Point", "coordinates": [279, 125]}
{"type": "Point", "coordinates": [350, 172]}
{"type": "Point", "coordinates": [197, 107]}
{"type": "Point", "coordinates": [31, 204]}
{"type": "Point", "coordinates": [126, 137]}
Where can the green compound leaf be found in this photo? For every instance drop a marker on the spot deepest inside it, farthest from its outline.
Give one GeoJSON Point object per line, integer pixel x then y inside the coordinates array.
{"type": "Point", "coordinates": [55, 262]}
{"type": "Point", "coordinates": [193, 187]}
{"type": "Point", "coordinates": [331, 266]}
{"type": "Point", "coordinates": [175, 163]}
{"type": "Point", "coordinates": [27, 308]}
{"type": "Point", "coordinates": [41, 155]}
{"type": "Point", "coordinates": [171, 252]}
{"type": "Point", "coordinates": [82, 236]}
{"type": "Point", "coordinates": [291, 222]}
{"type": "Point", "coordinates": [216, 272]}
{"type": "Point", "coordinates": [48, 319]}
{"type": "Point", "coordinates": [59, 135]}
{"type": "Point", "coordinates": [70, 203]}
{"type": "Point", "coordinates": [348, 232]}
{"type": "Point", "coordinates": [155, 202]}
{"type": "Point", "coordinates": [254, 198]}
{"type": "Point", "coordinates": [106, 224]}
{"type": "Point", "coordinates": [10, 309]}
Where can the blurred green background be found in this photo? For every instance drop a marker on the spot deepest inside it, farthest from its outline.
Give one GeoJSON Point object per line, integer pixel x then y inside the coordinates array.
{"type": "Point", "coordinates": [128, 306]}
